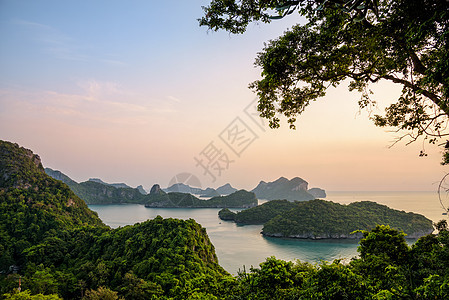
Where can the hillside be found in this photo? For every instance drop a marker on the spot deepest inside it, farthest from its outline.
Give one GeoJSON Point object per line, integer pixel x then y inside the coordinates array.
{"type": "Point", "coordinates": [317, 219]}
{"type": "Point", "coordinates": [95, 191]}
{"type": "Point", "coordinates": [55, 242]}
{"type": "Point", "coordinates": [33, 203]}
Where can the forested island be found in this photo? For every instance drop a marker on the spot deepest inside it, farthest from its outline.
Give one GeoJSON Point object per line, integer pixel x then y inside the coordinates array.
{"type": "Point", "coordinates": [319, 219]}
{"type": "Point", "coordinates": [56, 248]}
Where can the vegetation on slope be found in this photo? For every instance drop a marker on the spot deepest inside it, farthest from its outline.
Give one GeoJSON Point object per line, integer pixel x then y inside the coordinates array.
{"type": "Point", "coordinates": [61, 249]}
{"type": "Point", "coordinates": [94, 192]}
{"type": "Point", "coordinates": [32, 204]}
{"type": "Point", "coordinates": [326, 219]}
{"type": "Point", "coordinates": [265, 212]}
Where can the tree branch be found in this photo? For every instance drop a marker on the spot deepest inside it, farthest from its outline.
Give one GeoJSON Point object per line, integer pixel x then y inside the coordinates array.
{"type": "Point", "coordinates": [415, 88]}
{"type": "Point", "coordinates": [417, 64]}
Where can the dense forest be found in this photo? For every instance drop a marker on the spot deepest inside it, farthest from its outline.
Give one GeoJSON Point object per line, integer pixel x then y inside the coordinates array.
{"type": "Point", "coordinates": [55, 247]}
{"type": "Point", "coordinates": [325, 219]}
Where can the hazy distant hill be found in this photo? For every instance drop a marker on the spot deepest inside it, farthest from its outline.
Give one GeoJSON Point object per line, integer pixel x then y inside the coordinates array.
{"type": "Point", "coordinates": [294, 189]}
{"type": "Point", "coordinates": [208, 192]}
{"type": "Point", "coordinates": [226, 189]}
{"type": "Point", "coordinates": [116, 185]}
{"type": "Point", "coordinates": [182, 188]}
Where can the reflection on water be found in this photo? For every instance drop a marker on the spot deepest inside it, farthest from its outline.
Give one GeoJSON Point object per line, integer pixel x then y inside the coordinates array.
{"type": "Point", "coordinates": [315, 250]}
{"type": "Point", "coordinates": [244, 245]}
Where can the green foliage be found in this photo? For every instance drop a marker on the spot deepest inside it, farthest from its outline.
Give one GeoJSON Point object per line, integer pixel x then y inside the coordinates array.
{"type": "Point", "coordinates": [64, 251]}
{"type": "Point", "coordinates": [335, 281]}
{"type": "Point", "coordinates": [405, 42]}
{"type": "Point", "coordinates": [32, 204]}
{"type": "Point", "coordinates": [61, 247]}
{"type": "Point", "coordinates": [26, 295]}
{"type": "Point", "coordinates": [234, 16]}
{"type": "Point", "coordinates": [434, 287]}
{"type": "Point", "coordinates": [102, 293]}
{"type": "Point", "coordinates": [383, 241]}
{"type": "Point", "coordinates": [275, 279]}
{"type": "Point", "coordinates": [264, 212]}
{"type": "Point", "coordinates": [325, 219]}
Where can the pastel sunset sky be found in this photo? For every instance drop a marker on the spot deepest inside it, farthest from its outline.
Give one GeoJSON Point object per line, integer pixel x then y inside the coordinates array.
{"type": "Point", "coordinates": [137, 92]}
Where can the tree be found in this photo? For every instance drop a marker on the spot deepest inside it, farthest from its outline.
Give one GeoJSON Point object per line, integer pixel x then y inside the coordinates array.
{"type": "Point", "coordinates": [361, 41]}
{"type": "Point", "coordinates": [102, 293]}
{"type": "Point", "coordinates": [384, 257]}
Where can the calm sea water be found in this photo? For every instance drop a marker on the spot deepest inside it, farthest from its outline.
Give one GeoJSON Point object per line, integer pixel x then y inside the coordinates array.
{"type": "Point", "coordinates": [237, 246]}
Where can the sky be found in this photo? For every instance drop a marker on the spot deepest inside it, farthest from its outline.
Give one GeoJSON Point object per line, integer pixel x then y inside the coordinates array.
{"type": "Point", "coordinates": [137, 92]}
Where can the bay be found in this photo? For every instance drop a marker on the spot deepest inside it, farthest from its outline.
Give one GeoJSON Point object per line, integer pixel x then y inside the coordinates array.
{"type": "Point", "coordinates": [238, 246]}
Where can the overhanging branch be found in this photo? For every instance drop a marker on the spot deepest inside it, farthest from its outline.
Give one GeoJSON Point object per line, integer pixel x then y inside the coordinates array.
{"type": "Point", "coordinates": [415, 88]}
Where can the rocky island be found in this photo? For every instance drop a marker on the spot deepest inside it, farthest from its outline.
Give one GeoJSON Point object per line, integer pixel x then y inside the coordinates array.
{"type": "Point", "coordinates": [319, 219]}
{"type": "Point", "coordinates": [295, 189]}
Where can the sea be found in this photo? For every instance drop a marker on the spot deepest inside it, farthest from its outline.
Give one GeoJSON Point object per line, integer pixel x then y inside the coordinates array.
{"type": "Point", "coordinates": [239, 247]}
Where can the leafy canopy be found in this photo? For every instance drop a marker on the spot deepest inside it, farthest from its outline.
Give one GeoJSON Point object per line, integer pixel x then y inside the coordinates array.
{"type": "Point", "coordinates": [357, 41]}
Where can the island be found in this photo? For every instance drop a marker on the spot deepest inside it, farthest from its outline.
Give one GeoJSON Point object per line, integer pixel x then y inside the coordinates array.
{"type": "Point", "coordinates": [295, 189]}
{"type": "Point", "coordinates": [96, 191]}
{"type": "Point", "coordinates": [320, 219]}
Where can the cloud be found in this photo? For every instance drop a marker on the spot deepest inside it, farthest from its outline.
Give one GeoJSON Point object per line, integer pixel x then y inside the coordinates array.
{"type": "Point", "coordinates": [97, 102]}
{"type": "Point", "coordinates": [173, 98]}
